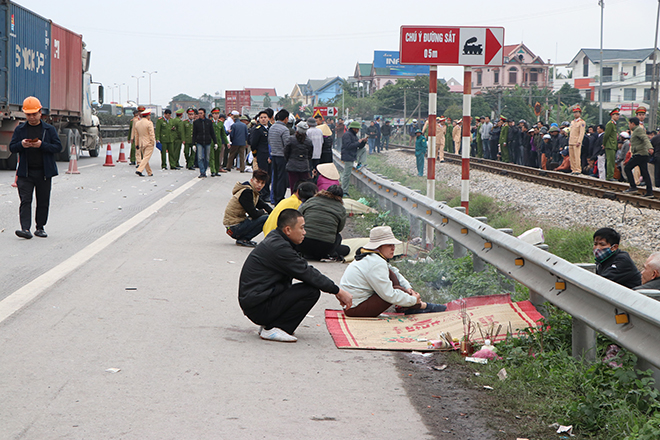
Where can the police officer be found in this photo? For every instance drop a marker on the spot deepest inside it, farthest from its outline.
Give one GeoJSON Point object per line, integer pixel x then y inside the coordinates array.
{"type": "Point", "coordinates": [218, 149]}
{"type": "Point", "coordinates": [610, 138]}
{"type": "Point", "coordinates": [188, 147]}
{"type": "Point", "coordinates": [641, 114]}
{"type": "Point", "coordinates": [576, 134]}
{"type": "Point", "coordinates": [177, 122]}
{"type": "Point", "coordinates": [165, 136]}
{"type": "Point", "coordinates": [136, 117]}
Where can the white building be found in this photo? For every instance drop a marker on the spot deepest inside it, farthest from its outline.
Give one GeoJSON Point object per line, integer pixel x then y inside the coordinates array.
{"type": "Point", "coordinates": [627, 76]}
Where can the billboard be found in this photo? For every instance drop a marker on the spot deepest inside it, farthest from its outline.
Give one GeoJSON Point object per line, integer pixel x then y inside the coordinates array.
{"type": "Point", "coordinates": [390, 59]}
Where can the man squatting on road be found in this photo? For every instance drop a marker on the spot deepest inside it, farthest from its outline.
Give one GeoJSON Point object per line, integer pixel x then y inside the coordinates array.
{"type": "Point", "coordinates": [266, 293]}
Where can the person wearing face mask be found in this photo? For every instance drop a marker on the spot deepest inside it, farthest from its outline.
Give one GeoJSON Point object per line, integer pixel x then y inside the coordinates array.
{"type": "Point", "coordinates": [613, 263]}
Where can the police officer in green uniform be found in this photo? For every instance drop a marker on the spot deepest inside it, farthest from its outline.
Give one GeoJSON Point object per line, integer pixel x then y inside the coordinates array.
{"type": "Point", "coordinates": [610, 144]}
{"type": "Point", "coordinates": [136, 117]}
{"type": "Point", "coordinates": [188, 148]}
{"type": "Point", "coordinates": [165, 136]}
{"type": "Point", "coordinates": [504, 134]}
{"type": "Point", "coordinates": [215, 164]}
{"type": "Point", "coordinates": [177, 122]}
{"type": "Point", "coordinates": [449, 138]}
{"type": "Point", "coordinates": [480, 145]}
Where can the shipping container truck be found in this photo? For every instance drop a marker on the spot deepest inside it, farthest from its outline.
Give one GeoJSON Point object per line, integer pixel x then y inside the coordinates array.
{"type": "Point", "coordinates": [40, 58]}
{"type": "Point", "coordinates": [236, 100]}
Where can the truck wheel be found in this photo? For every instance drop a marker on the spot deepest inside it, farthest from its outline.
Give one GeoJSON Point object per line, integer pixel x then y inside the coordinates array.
{"type": "Point", "coordinates": [95, 152]}
{"type": "Point", "coordinates": [66, 137]}
{"type": "Point", "coordinates": [11, 161]}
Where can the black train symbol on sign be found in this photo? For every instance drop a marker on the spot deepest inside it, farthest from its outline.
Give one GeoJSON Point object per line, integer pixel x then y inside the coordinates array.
{"type": "Point", "coordinates": [472, 49]}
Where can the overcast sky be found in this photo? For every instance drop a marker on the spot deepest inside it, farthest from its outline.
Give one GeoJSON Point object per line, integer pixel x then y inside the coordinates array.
{"type": "Point", "coordinates": [211, 46]}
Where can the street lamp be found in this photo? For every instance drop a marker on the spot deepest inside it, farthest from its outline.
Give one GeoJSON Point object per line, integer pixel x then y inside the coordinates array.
{"type": "Point", "coordinates": [122, 84]}
{"type": "Point", "coordinates": [137, 79]}
{"type": "Point", "coordinates": [149, 73]}
{"type": "Point", "coordinates": [113, 87]}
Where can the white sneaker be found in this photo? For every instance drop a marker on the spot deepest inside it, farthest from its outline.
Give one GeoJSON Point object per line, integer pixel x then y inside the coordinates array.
{"type": "Point", "coordinates": [276, 334]}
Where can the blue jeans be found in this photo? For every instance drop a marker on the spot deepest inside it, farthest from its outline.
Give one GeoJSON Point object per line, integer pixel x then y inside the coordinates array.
{"type": "Point", "coordinates": [248, 229]}
{"type": "Point", "coordinates": [203, 156]}
{"type": "Point", "coordinates": [372, 145]}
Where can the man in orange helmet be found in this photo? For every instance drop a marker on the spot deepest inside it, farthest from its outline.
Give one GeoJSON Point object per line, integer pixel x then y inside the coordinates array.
{"type": "Point", "coordinates": [36, 143]}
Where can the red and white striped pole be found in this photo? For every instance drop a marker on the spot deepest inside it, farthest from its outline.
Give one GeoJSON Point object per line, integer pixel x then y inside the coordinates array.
{"type": "Point", "coordinates": [430, 172]}
{"type": "Point", "coordinates": [467, 104]}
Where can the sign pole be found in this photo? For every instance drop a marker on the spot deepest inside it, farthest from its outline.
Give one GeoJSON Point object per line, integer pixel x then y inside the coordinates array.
{"type": "Point", "coordinates": [430, 171]}
{"type": "Point", "coordinates": [467, 104]}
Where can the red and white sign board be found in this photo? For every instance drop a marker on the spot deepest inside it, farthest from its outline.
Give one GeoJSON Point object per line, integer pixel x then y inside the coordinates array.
{"type": "Point", "coordinates": [326, 111]}
{"type": "Point", "coordinates": [452, 46]}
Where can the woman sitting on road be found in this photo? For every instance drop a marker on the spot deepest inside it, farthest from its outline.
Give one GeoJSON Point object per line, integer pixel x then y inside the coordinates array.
{"type": "Point", "coordinates": [325, 217]}
{"type": "Point", "coordinates": [376, 285]}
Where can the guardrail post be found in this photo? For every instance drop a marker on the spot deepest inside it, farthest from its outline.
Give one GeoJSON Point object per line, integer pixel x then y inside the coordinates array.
{"type": "Point", "coordinates": [584, 337]}
{"type": "Point", "coordinates": [479, 265]}
{"type": "Point", "coordinates": [459, 251]}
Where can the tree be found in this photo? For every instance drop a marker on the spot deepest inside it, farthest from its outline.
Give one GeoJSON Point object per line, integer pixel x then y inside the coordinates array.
{"type": "Point", "coordinates": [183, 97]}
{"type": "Point", "coordinates": [569, 95]}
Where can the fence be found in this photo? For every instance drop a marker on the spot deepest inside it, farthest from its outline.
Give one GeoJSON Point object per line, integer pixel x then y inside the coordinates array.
{"type": "Point", "coordinates": [629, 318]}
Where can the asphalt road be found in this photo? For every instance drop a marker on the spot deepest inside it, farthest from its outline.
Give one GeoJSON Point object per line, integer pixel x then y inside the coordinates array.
{"type": "Point", "coordinates": [191, 366]}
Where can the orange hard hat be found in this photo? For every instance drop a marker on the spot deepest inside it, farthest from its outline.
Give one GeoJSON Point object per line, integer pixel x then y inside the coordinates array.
{"type": "Point", "coordinates": [31, 105]}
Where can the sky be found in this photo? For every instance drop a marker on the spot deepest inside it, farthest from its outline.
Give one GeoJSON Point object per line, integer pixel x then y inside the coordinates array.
{"type": "Point", "coordinates": [212, 46]}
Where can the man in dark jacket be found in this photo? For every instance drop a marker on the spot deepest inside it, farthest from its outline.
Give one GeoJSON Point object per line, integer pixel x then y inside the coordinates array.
{"type": "Point", "coordinates": [239, 139]}
{"type": "Point", "coordinates": [613, 263]}
{"type": "Point", "coordinates": [36, 143]}
{"type": "Point", "coordinates": [266, 293]}
{"type": "Point", "coordinates": [203, 135]}
{"type": "Point", "coordinates": [352, 149]}
{"type": "Point", "coordinates": [260, 150]}
{"type": "Point", "coordinates": [386, 131]}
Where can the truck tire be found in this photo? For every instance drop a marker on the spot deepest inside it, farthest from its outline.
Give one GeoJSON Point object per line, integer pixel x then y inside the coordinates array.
{"type": "Point", "coordinates": [66, 138]}
{"type": "Point", "coordinates": [11, 161]}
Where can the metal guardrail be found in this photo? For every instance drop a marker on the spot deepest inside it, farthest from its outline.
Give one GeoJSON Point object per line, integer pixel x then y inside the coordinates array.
{"type": "Point", "coordinates": [586, 296]}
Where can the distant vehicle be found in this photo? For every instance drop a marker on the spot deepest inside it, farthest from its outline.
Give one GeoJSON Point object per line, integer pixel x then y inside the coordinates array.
{"type": "Point", "coordinates": [51, 63]}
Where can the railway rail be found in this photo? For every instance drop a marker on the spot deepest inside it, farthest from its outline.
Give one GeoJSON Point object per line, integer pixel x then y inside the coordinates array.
{"type": "Point", "coordinates": [581, 184]}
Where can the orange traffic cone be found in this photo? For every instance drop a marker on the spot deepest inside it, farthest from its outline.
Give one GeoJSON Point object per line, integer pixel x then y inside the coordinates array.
{"type": "Point", "coordinates": [108, 157]}
{"type": "Point", "coordinates": [15, 184]}
{"type": "Point", "coordinates": [122, 154]}
{"type": "Point", "coordinates": [73, 162]}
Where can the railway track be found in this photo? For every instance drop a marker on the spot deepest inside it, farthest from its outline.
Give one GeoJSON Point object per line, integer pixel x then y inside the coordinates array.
{"type": "Point", "coordinates": [580, 184]}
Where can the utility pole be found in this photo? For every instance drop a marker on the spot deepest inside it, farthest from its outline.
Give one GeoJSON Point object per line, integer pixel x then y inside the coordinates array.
{"type": "Point", "coordinates": [405, 121]}
{"type": "Point", "coordinates": [150, 73]}
{"type": "Point", "coordinates": [653, 122]}
{"type": "Point", "coordinates": [558, 108]}
{"type": "Point", "coordinates": [419, 105]}
{"type": "Point", "coordinates": [499, 103]}
{"type": "Point", "coordinates": [601, 3]}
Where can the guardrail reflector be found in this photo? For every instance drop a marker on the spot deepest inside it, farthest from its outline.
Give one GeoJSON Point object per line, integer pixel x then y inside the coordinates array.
{"type": "Point", "coordinates": [387, 190]}
{"type": "Point", "coordinates": [428, 212]}
{"type": "Point", "coordinates": [464, 231]}
{"type": "Point", "coordinates": [621, 318]}
{"type": "Point", "coordinates": [560, 285]}
{"type": "Point", "coordinates": [488, 245]}
{"type": "Point", "coordinates": [395, 193]}
{"type": "Point", "coordinates": [405, 199]}
{"type": "Point", "coordinates": [520, 262]}
{"type": "Point", "coordinates": [445, 220]}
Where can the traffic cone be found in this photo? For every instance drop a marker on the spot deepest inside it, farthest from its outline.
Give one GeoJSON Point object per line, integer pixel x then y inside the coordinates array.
{"type": "Point", "coordinates": [73, 162]}
{"type": "Point", "coordinates": [108, 157]}
{"type": "Point", "coordinates": [15, 184]}
{"type": "Point", "coordinates": [122, 154]}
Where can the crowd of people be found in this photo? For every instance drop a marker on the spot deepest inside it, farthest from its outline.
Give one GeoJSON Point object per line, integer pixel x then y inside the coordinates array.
{"type": "Point", "coordinates": [602, 151]}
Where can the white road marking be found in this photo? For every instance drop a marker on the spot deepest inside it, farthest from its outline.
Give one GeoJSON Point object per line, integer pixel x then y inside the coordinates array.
{"type": "Point", "coordinates": [87, 166]}
{"type": "Point", "coordinates": [31, 291]}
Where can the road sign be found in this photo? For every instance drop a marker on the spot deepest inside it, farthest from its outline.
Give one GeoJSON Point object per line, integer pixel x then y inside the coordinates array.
{"type": "Point", "coordinates": [452, 46]}
{"type": "Point", "coordinates": [326, 111]}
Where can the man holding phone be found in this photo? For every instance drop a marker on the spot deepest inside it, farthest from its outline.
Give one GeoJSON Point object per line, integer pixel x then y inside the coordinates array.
{"type": "Point", "coordinates": [36, 143]}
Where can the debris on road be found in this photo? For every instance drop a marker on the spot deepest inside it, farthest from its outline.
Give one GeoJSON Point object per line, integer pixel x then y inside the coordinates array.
{"type": "Point", "coordinates": [476, 360]}
{"type": "Point", "coordinates": [131, 288]}
{"type": "Point", "coordinates": [502, 374]}
{"type": "Point", "coordinates": [113, 370]}
{"type": "Point", "coordinates": [440, 368]}
{"type": "Point", "coordinates": [486, 387]}
{"type": "Point", "coordinates": [419, 353]}
{"type": "Point", "coordinates": [562, 429]}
